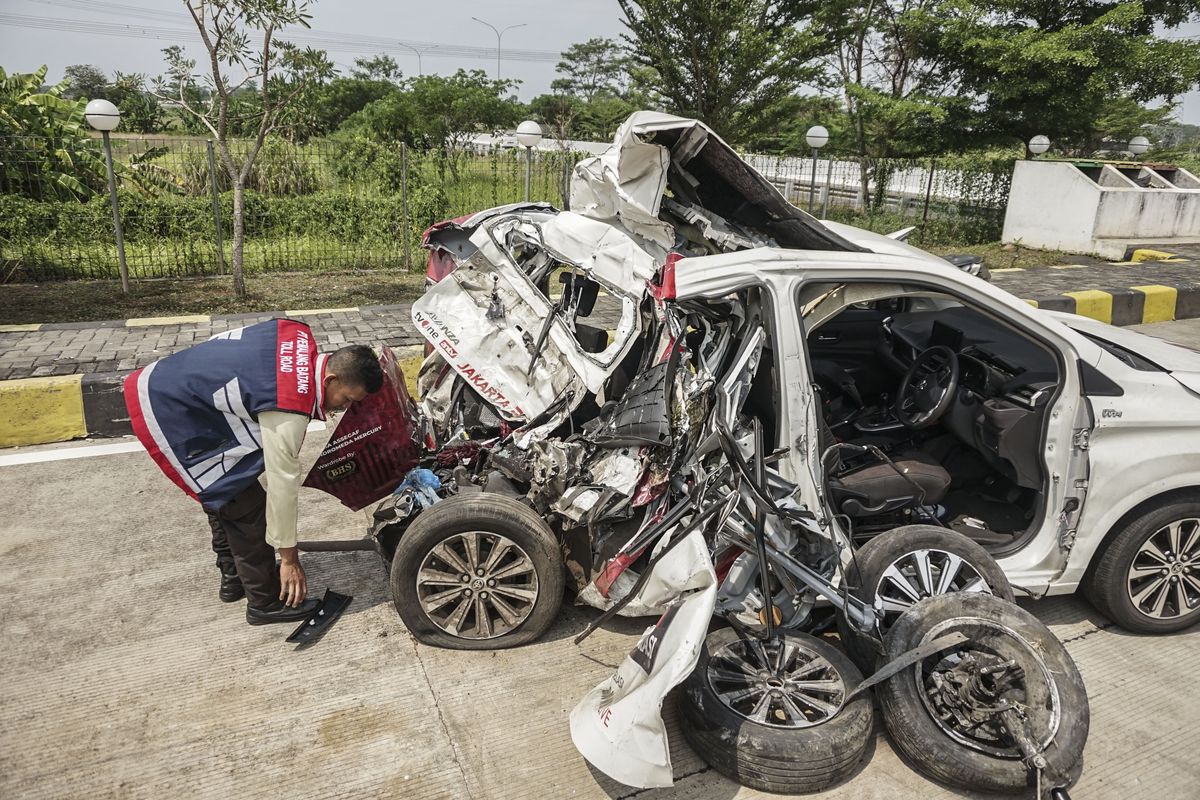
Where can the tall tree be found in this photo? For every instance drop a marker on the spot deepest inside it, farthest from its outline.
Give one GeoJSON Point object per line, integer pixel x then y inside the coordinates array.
{"type": "Point", "coordinates": [240, 36]}
{"type": "Point", "coordinates": [1033, 67]}
{"type": "Point", "coordinates": [85, 81]}
{"type": "Point", "coordinates": [593, 67]}
{"type": "Point", "coordinates": [141, 111]}
{"type": "Point", "coordinates": [729, 63]}
{"type": "Point", "coordinates": [376, 68]}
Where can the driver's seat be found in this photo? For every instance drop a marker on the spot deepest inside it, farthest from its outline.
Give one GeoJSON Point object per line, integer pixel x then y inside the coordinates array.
{"type": "Point", "coordinates": [879, 489]}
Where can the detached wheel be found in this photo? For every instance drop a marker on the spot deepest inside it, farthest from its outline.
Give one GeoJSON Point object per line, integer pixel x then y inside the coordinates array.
{"type": "Point", "coordinates": [945, 713]}
{"type": "Point", "coordinates": [477, 572]}
{"type": "Point", "coordinates": [904, 565]}
{"type": "Point", "coordinates": [773, 715]}
{"type": "Point", "coordinates": [1147, 578]}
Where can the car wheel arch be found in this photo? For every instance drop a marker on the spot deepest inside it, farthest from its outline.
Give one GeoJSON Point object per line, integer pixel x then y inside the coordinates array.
{"type": "Point", "coordinates": [1139, 507]}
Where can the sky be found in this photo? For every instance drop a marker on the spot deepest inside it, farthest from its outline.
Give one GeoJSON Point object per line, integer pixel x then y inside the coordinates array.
{"type": "Point", "coordinates": [345, 28]}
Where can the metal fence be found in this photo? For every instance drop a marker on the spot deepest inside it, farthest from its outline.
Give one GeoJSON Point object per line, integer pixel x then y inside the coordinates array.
{"type": "Point", "coordinates": [950, 201]}
{"type": "Point", "coordinates": [359, 204]}
{"type": "Point", "coordinates": [352, 204]}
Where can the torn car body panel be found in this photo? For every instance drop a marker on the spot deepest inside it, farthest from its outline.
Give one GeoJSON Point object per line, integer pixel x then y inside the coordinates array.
{"type": "Point", "coordinates": [498, 325]}
{"type": "Point", "coordinates": [709, 184]}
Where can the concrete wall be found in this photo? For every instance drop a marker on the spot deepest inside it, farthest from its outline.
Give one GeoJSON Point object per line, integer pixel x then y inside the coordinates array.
{"type": "Point", "coordinates": [1053, 204]}
{"type": "Point", "coordinates": [1054, 209]}
{"type": "Point", "coordinates": [1148, 214]}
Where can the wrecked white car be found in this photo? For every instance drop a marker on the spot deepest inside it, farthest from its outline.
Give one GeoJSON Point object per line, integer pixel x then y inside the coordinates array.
{"type": "Point", "coordinates": [686, 397]}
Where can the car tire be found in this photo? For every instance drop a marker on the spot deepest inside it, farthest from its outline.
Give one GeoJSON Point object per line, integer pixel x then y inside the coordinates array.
{"type": "Point", "coordinates": [904, 548]}
{"type": "Point", "coordinates": [1122, 583]}
{"type": "Point", "coordinates": [776, 757]}
{"type": "Point", "coordinates": [1056, 703]}
{"type": "Point", "coordinates": [513, 568]}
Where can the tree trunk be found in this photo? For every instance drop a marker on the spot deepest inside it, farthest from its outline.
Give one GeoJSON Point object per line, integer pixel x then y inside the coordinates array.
{"type": "Point", "coordinates": [239, 237]}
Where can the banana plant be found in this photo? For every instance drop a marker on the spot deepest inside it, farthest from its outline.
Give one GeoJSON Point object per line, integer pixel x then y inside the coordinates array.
{"type": "Point", "coordinates": [46, 152]}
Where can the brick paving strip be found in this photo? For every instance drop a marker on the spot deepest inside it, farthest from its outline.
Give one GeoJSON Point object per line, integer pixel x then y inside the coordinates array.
{"type": "Point", "coordinates": [78, 366]}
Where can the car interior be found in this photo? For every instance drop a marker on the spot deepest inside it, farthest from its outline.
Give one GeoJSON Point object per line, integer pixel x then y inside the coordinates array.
{"type": "Point", "coordinates": [931, 409]}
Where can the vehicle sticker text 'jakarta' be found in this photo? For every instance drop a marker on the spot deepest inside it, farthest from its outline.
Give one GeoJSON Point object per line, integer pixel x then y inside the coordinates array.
{"type": "Point", "coordinates": [487, 389]}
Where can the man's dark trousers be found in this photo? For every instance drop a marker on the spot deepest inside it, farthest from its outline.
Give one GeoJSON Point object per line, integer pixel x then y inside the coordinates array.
{"type": "Point", "coordinates": [239, 530]}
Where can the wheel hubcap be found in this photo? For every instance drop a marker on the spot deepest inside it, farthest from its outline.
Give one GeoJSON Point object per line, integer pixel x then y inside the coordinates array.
{"type": "Point", "coordinates": [920, 574]}
{"type": "Point", "coordinates": [477, 585]}
{"type": "Point", "coordinates": [1164, 578]}
{"type": "Point", "coordinates": [780, 683]}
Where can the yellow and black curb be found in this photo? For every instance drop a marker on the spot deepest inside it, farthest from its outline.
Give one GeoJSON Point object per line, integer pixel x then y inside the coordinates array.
{"type": "Point", "coordinates": [1131, 305]}
{"type": "Point", "coordinates": [61, 408]}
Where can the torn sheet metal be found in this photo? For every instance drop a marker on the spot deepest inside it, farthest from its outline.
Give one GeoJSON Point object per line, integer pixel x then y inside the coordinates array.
{"type": "Point", "coordinates": [492, 357]}
{"type": "Point", "coordinates": [618, 725]}
{"type": "Point", "coordinates": [506, 338]}
{"type": "Point", "coordinates": [625, 187]}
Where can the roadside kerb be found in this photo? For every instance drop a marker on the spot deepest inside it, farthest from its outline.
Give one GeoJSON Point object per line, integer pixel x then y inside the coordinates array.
{"type": "Point", "coordinates": [65, 407]}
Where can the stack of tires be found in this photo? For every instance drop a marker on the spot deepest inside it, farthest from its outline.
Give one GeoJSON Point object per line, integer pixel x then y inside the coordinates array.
{"type": "Point", "coordinates": [782, 715]}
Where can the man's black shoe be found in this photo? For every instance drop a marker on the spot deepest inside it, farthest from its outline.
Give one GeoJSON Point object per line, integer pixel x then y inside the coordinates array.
{"type": "Point", "coordinates": [278, 612]}
{"type": "Point", "coordinates": [231, 588]}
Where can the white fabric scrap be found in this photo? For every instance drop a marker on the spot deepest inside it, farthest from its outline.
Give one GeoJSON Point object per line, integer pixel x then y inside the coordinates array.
{"type": "Point", "coordinates": [618, 725]}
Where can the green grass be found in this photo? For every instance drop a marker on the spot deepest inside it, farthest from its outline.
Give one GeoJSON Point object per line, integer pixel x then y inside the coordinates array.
{"type": "Point", "coordinates": [103, 300]}
{"type": "Point", "coordinates": [998, 256]}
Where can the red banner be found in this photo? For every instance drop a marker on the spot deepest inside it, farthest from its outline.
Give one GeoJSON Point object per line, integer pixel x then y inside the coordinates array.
{"type": "Point", "coordinates": [373, 445]}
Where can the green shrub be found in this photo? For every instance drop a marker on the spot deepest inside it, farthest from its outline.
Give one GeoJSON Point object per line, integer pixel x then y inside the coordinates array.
{"type": "Point", "coordinates": [280, 169]}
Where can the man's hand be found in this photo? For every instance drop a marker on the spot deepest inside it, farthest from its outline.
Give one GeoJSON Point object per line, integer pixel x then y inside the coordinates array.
{"type": "Point", "coordinates": [293, 586]}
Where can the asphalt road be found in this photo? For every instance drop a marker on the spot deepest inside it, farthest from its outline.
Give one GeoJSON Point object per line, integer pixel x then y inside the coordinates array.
{"type": "Point", "coordinates": [123, 676]}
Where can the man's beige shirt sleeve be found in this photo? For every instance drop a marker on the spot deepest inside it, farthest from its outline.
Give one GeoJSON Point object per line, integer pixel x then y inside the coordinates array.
{"type": "Point", "coordinates": [282, 435]}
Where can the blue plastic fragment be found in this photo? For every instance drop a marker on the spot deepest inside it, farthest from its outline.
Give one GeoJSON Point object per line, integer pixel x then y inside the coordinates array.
{"type": "Point", "coordinates": [422, 484]}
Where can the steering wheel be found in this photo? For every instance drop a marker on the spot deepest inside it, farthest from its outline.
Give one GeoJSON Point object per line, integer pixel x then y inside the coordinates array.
{"type": "Point", "coordinates": [928, 387]}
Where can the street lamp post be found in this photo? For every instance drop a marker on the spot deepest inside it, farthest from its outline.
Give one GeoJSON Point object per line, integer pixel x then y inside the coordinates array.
{"type": "Point", "coordinates": [420, 69]}
{"type": "Point", "coordinates": [817, 137]}
{"type": "Point", "coordinates": [104, 117]}
{"type": "Point", "coordinates": [1138, 145]}
{"type": "Point", "coordinates": [529, 133]}
{"type": "Point", "coordinates": [1039, 144]}
{"type": "Point", "coordinates": [498, 33]}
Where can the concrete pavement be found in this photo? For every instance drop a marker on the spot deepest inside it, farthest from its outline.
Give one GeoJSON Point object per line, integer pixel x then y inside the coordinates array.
{"type": "Point", "coordinates": [124, 677]}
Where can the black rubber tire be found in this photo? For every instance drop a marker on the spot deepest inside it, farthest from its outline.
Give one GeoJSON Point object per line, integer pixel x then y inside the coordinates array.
{"type": "Point", "coordinates": [478, 511]}
{"type": "Point", "coordinates": [874, 557]}
{"type": "Point", "coordinates": [1105, 585]}
{"type": "Point", "coordinates": [784, 761]}
{"type": "Point", "coordinates": [917, 737]}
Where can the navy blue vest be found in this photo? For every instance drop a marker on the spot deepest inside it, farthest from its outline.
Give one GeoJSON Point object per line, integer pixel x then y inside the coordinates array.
{"type": "Point", "coordinates": [196, 411]}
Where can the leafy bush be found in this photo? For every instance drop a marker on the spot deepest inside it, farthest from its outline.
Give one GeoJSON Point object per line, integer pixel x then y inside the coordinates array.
{"type": "Point", "coordinates": [360, 161]}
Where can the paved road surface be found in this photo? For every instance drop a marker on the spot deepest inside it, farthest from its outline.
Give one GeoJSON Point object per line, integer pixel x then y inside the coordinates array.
{"type": "Point", "coordinates": [123, 676]}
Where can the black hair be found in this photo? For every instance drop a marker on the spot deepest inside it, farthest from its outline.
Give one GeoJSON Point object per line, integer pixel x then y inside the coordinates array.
{"type": "Point", "coordinates": [357, 365]}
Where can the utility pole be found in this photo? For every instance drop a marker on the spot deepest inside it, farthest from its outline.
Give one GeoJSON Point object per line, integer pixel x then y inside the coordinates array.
{"type": "Point", "coordinates": [498, 33]}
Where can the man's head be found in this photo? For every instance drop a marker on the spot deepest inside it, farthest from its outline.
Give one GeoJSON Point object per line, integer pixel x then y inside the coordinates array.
{"type": "Point", "coordinates": [351, 374]}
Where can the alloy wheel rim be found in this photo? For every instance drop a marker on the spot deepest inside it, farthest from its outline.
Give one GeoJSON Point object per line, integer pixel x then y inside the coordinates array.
{"type": "Point", "coordinates": [1163, 581]}
{"type": "Point", "coordinates": [779, 683]}
{"type": "Point", "coordinates": [477, 585]}
{"type": "Point", "coordinates": [920, 574]}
